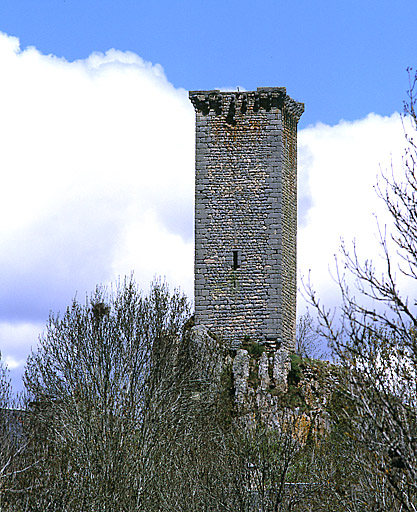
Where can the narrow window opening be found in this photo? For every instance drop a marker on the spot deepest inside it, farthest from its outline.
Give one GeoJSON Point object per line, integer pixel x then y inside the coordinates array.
{"type": "Point", "coordinates": [235, 260]}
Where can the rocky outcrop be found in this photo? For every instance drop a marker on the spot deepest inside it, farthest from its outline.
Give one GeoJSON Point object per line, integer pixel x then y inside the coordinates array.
{"type": "Point", "coordinates": [240, 368]}
{"type": "Point", "coordinates": [281, 369]}
{"type": "Point", "coordinates": [276, 388]}
{"type": "Point", "coordinates": [208, 356]}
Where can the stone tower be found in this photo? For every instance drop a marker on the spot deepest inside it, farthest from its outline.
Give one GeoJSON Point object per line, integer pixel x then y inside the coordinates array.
{"type": "Point", "coordinates": [246, 215]}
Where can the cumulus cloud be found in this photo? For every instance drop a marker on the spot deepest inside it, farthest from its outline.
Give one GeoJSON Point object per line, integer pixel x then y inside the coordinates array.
{"type": "Point", "coordinates": [97, 167]}
{"type": "Point", "coordinates": [339, 168]}
{"type": "Point", "coordinates": [86, 147]}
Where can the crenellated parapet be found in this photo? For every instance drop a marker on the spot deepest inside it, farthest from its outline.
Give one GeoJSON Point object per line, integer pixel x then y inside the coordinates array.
{"type": "Point", "coordinates": [232, 103]}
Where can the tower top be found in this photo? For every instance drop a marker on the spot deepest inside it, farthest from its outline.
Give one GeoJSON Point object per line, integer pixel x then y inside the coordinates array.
{"type": "Point", "coordinates": [264, 98]}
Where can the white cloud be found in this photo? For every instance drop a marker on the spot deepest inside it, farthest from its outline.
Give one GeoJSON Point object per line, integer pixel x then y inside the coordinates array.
{"type": "Point", "coordinates": [16, 340]}
{"type": "Point", "coordinates": [338, 170]}
{"type": "Point", "coordinates": [12, 363]}
{"type": "Point", "coordinates": [87, 148]}
{"type": "Point", "coordinates": [237, 88]}
{"type": "Point", "coordinates": [167, 256]}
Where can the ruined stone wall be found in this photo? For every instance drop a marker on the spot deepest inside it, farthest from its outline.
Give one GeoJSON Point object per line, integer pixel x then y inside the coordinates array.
{"type": "Point", "coordinates": [245, 215]}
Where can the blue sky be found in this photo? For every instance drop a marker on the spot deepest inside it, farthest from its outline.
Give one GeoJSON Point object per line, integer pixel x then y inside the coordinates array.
{"type": "Point", "coordinates": [97, 134]}
{"type": "Point", "coordinates": [343, 58]}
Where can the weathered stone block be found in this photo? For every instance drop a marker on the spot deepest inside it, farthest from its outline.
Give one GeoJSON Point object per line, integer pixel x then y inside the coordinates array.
{"type": "Point", "coordinates": [281, 368]}
{"type": "Point", "coordinates": [241, 374]}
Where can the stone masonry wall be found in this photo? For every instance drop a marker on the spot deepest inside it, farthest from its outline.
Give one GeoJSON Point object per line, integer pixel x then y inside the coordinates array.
{"type": "Point", "coordinates": [246, 214]}
{"type": "Point", "coordinates": [289, 226]}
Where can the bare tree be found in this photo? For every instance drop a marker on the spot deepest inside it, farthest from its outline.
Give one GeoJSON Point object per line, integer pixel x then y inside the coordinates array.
{"type": "Point", "coordinates": [92, 380]}
{"type": "Point", "coordinates": [13, 441]}
{"type": "Point", "coordinates": [375, 341]}
{"type": "Point", "coordinates": [307, 340]}
{"type": "Point", "coordinates": [7, 446]}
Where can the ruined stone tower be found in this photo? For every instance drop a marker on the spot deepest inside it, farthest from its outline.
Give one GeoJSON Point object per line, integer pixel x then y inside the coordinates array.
{"type": "Point", "coordinates": [246, 215]}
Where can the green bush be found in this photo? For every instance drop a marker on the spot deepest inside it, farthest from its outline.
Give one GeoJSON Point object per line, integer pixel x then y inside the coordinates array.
{"type": "Point", "coordinates": [256, 349]}
{"type": "Point", "coordinates": [296, 372]}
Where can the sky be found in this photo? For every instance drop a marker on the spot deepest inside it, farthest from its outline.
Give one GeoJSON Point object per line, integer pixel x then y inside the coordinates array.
{"type": "Point", "coordinates": [97, 135]}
